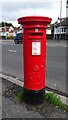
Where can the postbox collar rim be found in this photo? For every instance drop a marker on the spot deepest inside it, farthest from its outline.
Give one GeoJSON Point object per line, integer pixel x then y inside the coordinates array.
{"type": "Point", "coordinates": [34, 18]}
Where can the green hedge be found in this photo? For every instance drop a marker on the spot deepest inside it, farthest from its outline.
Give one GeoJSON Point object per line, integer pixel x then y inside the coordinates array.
{"type": "Point", "coordinates": [49, 37]}
{"type": "Point", "coordinates": [8, 37]}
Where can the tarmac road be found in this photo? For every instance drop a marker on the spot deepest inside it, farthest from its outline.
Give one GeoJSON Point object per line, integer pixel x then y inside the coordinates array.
{"type": "Point", "coordinates": [56, 63]}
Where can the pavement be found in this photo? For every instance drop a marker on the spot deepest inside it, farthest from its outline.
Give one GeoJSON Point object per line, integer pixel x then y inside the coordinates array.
{"type": "Point", "coordinates": [8, 41]}
{"type": "Point", "coordinates": [49, 42]}
{"type": "Point", "coordinates": [10, 109]}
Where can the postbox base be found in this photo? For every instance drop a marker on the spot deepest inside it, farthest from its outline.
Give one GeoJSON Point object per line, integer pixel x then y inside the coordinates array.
{"type": "Point", "coordinates": [34, 97]}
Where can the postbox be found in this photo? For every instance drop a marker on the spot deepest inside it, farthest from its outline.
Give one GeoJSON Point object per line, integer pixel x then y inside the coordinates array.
{"type": "Point", "coordinates": [34, 54]}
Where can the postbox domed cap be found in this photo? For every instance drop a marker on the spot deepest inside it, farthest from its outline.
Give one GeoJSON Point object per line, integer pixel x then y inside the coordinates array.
{"type": "Point", "coordinates": [34, 18]}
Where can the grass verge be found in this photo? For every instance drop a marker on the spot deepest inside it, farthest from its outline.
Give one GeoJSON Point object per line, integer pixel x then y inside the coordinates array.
{"type": "Point", "coordinates": [19, 97]}
{"type": "Point", "coordinates": [52, 98]}
{"type": "Point", "coordinates": [55, 100]}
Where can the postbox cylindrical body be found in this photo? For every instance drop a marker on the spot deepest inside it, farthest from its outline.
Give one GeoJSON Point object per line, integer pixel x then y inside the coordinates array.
{"type": "Point", "coordinates": [34, 51]}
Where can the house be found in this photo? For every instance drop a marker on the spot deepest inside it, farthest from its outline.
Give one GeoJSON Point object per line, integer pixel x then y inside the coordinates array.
{"type": "Point", "coordinates": [4, 31]}
{"type": "Point", "coordinates": [61, 28]}
{"type": "Point", "coordinates": [9, 31]}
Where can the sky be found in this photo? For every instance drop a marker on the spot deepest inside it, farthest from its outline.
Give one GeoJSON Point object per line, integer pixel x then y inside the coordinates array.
{"type": "Point", "coordinates": [11, 11]}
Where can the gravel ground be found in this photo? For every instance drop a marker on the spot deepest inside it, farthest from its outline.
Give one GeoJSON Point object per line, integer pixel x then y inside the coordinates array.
{"type": "Point", "coordinates": [11, 109]}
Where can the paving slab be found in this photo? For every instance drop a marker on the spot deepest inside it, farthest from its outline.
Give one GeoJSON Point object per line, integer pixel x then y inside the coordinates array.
{"type": "Point", "coordinates": [11, 109]}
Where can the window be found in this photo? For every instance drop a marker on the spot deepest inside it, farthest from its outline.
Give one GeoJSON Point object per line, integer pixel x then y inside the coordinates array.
{"type": "Point", "coordinates": [58, 30]}
{"type": "Point", "coordinates": [64, 30]}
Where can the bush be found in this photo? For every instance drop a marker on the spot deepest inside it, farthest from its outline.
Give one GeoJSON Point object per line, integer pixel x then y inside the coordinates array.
{"type": "Point", "coordinates": [8, 37]}
{"type": "Point", "coordinates": [2, 37]}
{"type": "Point", "coordinates": [49, 36]}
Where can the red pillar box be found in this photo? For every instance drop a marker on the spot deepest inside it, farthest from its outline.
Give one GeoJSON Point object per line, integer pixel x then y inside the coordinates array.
{"type": "Point", "coordinates": [34, 50]}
